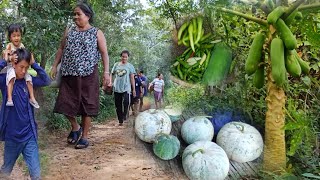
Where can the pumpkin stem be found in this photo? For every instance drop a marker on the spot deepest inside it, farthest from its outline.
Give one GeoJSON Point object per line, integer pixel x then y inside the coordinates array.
{"type": "Point", "coordinates": [240, 127]}
{"type": "Point", "coordinates": [152, 111]}
{"type": "Point", "coordinates": [199, 150]}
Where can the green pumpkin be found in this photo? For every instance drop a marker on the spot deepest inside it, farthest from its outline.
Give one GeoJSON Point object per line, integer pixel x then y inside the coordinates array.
{"type": "Point", "coordinates": [166, 146]}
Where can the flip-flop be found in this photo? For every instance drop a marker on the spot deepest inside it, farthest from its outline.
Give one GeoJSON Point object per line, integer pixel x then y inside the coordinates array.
{"type": "Point", "coordinates": [34, 104]}
{"type": "Point", "coordinates": [74, 136]}
{"type": "Point", "coordinates": [81, 144]}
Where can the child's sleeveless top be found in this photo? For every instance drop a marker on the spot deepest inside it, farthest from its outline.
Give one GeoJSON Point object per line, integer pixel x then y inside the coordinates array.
{"type": "Point", "coordinates": [13, 48]}
{"type": "Point", "coordinates": [81, 52]}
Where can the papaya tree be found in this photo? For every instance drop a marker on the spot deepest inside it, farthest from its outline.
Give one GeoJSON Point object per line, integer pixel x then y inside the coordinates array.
{"type": "Point", "coordinates": [274, 51]}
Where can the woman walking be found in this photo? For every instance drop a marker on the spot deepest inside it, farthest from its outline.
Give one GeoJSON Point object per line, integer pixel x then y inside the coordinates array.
{"type": "Point", "coordinates": [158, 88]}
{"type": "Point", "coordinates": [81, 49]}
{"type": "Point", "coordinates": [123, 86]}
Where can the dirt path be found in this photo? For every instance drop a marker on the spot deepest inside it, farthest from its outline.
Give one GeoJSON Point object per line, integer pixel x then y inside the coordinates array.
{"type": "Point", "coordinates": [17, 172]}
{"type": "Point", "coordinates": [114, 153]}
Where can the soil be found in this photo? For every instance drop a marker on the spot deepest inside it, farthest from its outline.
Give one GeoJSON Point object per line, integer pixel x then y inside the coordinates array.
{"type": "Point", "coordinates": [114, 153]}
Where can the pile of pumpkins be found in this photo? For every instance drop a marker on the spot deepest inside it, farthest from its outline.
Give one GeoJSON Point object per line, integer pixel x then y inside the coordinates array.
{"type": "Point", "coordinates": [202, 158]}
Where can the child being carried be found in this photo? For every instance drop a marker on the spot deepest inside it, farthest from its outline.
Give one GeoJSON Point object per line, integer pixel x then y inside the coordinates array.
{"type": "Point", "coordinates": [14, 35]}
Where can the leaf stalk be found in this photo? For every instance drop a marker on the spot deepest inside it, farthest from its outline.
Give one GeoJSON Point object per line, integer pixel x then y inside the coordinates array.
{"type": "Point", "coordinates": [245, 16]}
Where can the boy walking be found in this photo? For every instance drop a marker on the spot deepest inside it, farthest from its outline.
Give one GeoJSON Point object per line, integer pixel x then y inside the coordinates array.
{"type": "Point", "coordinates": [139, 93]}
{"type": "Point", "coordinates": [144, 82]}
{"type": "Point", "coordinates": [18, 128]}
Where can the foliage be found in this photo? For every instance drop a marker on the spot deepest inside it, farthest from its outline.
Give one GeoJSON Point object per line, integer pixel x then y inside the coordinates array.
{"type": "Point", "coordinates": [149, 47]}
{"type": "Point", "coordinates": [107, 108]}
{"type": "Point", "coordinates": [44, 22]}
{"type": "Point", "coordinates": [236, 31]}
{"type": "Point", "coordinates": [174, 9]}
{"type": "Point", "coordinates": [299, 127]}
{"type": "Point", "coordinates": [191, 98]}
{"type": "Point", "coordinates": [53, 121]}
{"type": "Point", "coordinates": [303, 128]}
{"type": "Point", "coordinates": [310, 27]}
{"type": "Point", "coordinates": [239, 98]}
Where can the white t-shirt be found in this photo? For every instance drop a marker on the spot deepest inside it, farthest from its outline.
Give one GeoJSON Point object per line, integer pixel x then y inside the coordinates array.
{"type": "Point", "coordinates": [157, 84]}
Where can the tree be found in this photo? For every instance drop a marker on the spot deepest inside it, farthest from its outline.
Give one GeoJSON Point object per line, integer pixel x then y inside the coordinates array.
{"type": "Point", "coordinates": [45, 22]}
{"type": "Point", "coordinates": [274, 151]}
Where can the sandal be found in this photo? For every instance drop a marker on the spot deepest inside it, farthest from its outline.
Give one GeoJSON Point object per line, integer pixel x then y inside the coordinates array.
{"type": "Point", "coordinates": [81, 144]}
{"type": "Point", "coordinates": [74, 136]}
{"type": "Point", "coordinates": [9, 103]}
{"type": "Point", "coordinates": [34, 104]}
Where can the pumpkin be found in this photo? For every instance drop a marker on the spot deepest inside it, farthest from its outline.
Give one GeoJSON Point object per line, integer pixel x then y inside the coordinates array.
{"type": "Point", "coordinates": [205, 160]}
{"type": "Point", "coordinates": [151, 122]}
{"type": "Point", "coordinates": [166, 146]}
{"type": "Point", "coordinates": [242, 142]}
{"type": "Point", "coordinates": [197, 128]}
{"type": "Point", "coordinates": [173, 112]}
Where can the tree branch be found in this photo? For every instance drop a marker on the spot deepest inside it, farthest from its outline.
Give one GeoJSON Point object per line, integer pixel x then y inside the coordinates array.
{"type": "Point", "coordinates": [293, 7]}
{"type": "Point", "coordinates": [172, 14]}
{"type": "Point", "coordinates": [309, 6]}
{"type": "Point", "coordinates": [245, 16]}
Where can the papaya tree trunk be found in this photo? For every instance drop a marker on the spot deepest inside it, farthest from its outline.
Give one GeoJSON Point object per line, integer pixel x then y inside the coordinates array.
{"type": "Point", "coordinates": [274, 149]}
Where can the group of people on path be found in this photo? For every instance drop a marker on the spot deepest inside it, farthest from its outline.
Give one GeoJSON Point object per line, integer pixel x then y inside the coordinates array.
{"type": "Point", "coordinates": [130, 86]}
{"type": "Point", "coordinates": [127, 87]}
{"type": "Point", "coordinates": [79, 53]}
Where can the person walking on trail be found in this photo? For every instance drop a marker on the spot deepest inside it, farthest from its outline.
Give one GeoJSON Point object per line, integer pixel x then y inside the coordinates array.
{"type": "Point", "coordinates": [18, 128]}
{"type": "Point", "coordinates": [144, 82]}
{"type": "Point", "coordinates": [82, 46]}
{"type": "Point", "coordinates": [139, 93]}
{"type": "Point", "coordinates": [158, 90]}
{"type": "Point", "coordinates": [123, 85]}
{"type": "Point", "coordinates": [14, 35]}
